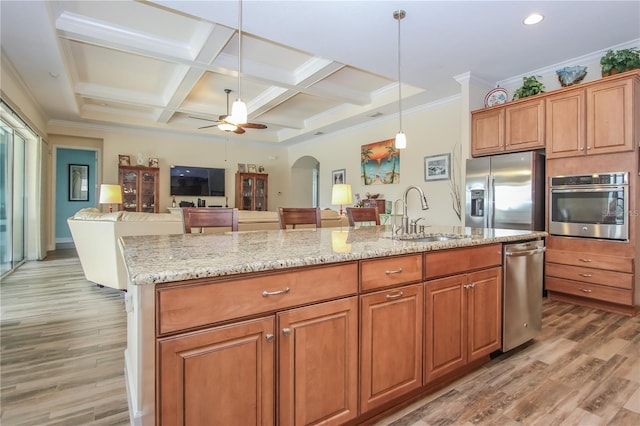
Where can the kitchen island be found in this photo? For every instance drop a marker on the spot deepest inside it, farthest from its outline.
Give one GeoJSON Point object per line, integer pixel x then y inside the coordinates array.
{"type": "Point", "coordinates": [304, 326]}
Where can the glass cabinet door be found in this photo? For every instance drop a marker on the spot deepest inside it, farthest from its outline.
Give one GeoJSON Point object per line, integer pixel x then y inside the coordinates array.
{"type": "Point", "coordinates": [247, 193]}
{"type": "Point", "coordinates": [129, 191]}
{"type": "Point", "coordinates": [261, 193]}
{"type": "Point", "coordinates": [147, 192]}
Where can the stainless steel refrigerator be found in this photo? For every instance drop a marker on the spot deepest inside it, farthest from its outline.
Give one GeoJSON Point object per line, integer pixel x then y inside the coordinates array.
{"type": "Point", "coordinates": [506, 191]}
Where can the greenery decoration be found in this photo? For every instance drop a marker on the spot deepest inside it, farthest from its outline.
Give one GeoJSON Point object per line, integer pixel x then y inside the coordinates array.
{"type": "Point", "coordinates": [530, 86]}
{"type": "Point", "coordinates": [615, 61]}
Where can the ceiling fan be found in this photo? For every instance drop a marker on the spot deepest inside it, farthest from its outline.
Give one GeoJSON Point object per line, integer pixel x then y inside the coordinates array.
{"type": "Point", "coordinates": [223, 124]}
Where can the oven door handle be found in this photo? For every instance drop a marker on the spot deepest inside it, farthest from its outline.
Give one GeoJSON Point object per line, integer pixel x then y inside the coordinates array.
{"type": "Point", "coordinates": [586, 189]}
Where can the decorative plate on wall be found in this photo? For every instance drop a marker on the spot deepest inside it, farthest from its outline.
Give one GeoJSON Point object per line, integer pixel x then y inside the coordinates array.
{"type": "Point", "coordinates": [495, 97]}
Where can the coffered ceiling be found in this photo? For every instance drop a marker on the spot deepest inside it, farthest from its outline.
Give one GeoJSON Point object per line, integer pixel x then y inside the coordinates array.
{"type": "Point", "coordinates": [308, 67]}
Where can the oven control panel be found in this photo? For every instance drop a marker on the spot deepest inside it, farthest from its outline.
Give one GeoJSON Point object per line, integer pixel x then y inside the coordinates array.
{"type": "Point", "coordinates": [591, 179]}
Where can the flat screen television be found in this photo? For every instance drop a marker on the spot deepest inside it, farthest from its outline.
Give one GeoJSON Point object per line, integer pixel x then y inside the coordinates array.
{"type": "Point", "coordinates": [197, 181]}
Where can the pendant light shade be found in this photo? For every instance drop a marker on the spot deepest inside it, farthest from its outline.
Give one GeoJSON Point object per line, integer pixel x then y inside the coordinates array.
{"type": "Point", "coordinates": [401, 138]}
{"type": "Point", "coordinates": [239, 108]}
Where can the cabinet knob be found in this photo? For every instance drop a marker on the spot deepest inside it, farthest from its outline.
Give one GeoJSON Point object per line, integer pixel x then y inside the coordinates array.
{"type": "Point", "coordinates": [269, 338]}
{"type": "Point", "coordinates": [286, 331]}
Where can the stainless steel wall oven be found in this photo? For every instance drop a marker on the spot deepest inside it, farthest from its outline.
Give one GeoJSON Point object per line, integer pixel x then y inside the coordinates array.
{"type": "Point", "coordinates": [592, 206]}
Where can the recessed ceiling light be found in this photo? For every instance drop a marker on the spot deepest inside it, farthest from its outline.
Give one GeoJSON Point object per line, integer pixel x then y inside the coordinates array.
{"type": "Point", "coordinates": [533, 19]}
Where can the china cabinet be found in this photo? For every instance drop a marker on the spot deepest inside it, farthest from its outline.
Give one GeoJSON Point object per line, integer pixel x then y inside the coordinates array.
{"type": "Point", "coordinates": [140, 186]}
{"type": "Point", "coordinates": [252, 191]}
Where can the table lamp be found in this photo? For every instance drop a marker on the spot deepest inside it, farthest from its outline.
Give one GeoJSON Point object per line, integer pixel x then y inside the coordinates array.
{"type": "Point", "coordinates": [341, 194]}
{"type": "Point", "coordinates": [110, 194]}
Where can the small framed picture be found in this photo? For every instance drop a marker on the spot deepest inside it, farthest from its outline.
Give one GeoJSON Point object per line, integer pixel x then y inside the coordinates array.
{"type": "Point", "coordinates": [124, 160]}
{"type": "Point", "coordinates": [338, 176]}
{"type": "Point", "coordinates": [251, 168]}
{"type": "Point", "coordinates": [78, 182]}
{"type": "Point", "coordinates": [242, 167]}
{"type": "Point", "coordinates": [437, 167]}
{"type": "Point", "coordinates": [153, 162]}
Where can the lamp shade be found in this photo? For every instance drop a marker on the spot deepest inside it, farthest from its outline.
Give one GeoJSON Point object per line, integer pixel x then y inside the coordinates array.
{"type": "Point", "coordinates": [110, 194]}
{"type": "Point", "coordinates": [341, 194]}
{"type": "Point", "coordinates": [238, 112]}
{"type": "Point", "coordinates": [401, 140]}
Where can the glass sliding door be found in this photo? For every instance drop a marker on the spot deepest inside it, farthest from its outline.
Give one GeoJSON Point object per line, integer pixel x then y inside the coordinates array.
{"type": "Point", "coordinates": [12, 198]}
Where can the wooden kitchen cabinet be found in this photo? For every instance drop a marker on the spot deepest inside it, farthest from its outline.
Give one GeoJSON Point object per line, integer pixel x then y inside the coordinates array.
{"type": "Point", "coordinates": [140, 188]}
{"type": "Point", "coordinates": [463, 320]}
{"type": "Point", "coordinates": [391, 344]}
{"type": "Point", "coordinates": [594, 119]}
{"type": "Point", "coordinates": [252, 191]}
{"type": "Point", "coordinates": [518, 126]}
{"type": "Point", "coordinates": [590, 278]}
{"type": "Point", "coordinates": [219, 376]}
{"type": "Point", "coordinates": [318, 363]}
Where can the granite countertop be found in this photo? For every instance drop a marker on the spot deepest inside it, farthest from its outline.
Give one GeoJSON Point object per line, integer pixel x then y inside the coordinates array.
{"type": "Point", "coordinates": [153, 259]}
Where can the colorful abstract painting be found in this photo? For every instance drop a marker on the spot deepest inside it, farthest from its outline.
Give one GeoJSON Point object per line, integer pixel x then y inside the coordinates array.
{"type": "Point", "coordinates": [380, 163]}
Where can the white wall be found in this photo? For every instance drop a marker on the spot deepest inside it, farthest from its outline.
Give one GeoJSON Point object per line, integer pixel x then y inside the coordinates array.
{"type": "Point", "coordinates": [430, 131]}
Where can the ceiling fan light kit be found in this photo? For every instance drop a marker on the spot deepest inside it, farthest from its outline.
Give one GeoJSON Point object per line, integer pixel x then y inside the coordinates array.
{"type": "Point", "coordinates": [401, 138]}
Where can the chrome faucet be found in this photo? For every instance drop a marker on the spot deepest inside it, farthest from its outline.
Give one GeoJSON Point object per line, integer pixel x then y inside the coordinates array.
{"type": "Point", "coordinates": [405, 216]}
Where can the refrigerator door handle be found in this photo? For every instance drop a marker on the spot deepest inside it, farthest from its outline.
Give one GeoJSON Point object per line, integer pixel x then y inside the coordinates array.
{"type": "Point", "coordinates": [489, 219]}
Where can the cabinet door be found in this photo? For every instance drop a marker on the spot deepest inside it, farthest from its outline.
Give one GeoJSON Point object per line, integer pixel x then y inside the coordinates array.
{"type": "Point", "coordinates": [445, 311]}
{"type": "Point", "coordinates": [391, 342]}
{"type": "Point", "coordinates": [484, 307]}
{"type": "Point", "coordinates": [220, 376]}
{"type": "Point", "coordinates": [148, 192]}
{"type": "Point", "coordinates": [261, 192]}
{"type": "Point", "coordinates": [565, 126]}
{"type": "Point", "coordinates": [524, 126]}
{"type": "Point", "coordinates": [610, 112]}
{"type": "Point", "coordinates": [318, 363]}
{"type": "Point", "coordinates": [487, 132]}
{"type": "Point", "coordinates": [129, 183]}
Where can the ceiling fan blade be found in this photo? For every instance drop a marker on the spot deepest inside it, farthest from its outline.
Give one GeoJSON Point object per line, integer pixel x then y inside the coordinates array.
{"type": "Point", "coordinates": [253, 126]}
{"type": "Point", "coordinates": [239, 130]}
{"type": "Point", "coordinates": [207, 127]}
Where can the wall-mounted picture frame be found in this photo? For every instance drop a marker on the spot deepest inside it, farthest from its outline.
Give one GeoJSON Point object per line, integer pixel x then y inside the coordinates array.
{"type": "Point", "coordinates": [338, 176]}
{"type": "Point", "coordinates": [242, 167]}
{"type": "Point", "coordinates": [437, 167]}
{"type": "Point", "coordinates": [153, 162]}
{"type": "Point", "coordinates": [251, 168]}
{"type": "Point", "coordinates": [78, 182]}
{"type": "Point", "coordinates": [124, 160]}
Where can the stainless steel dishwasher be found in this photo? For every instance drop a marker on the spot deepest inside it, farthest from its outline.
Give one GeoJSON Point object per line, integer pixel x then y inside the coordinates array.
{"type": "Point", "coordinates": [522, 292]}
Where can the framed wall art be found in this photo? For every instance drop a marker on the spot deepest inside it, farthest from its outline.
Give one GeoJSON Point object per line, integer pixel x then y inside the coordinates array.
{"type": "Point", "coordinates": [78, 182]}
{"type": "Point", "coordinates": [380, 163]}
{"type": "Point", "coordinates": [338, 176]}
{"type": "Point", "coordinates": [437, 167]}
{"type": "Point", "coordinates": [124, 160]}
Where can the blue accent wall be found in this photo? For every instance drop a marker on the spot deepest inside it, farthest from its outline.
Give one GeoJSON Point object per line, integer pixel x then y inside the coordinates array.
{"type": "Point", "coordinates": [64, 207]}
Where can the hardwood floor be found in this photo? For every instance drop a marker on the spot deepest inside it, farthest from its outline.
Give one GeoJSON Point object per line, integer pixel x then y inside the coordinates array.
{"type": "Point", "coordinates": [61, 362]}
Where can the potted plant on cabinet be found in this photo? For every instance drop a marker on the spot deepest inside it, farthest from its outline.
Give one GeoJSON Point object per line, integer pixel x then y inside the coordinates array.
{"type": "Point", "coordinates": [615, 61]}
{"type": "Point", "coordinates": [530, 86]}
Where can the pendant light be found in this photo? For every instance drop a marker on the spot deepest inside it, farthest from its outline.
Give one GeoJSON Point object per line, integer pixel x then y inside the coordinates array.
{"type": "Point", "coordinates": [401, 138]}
{"type": "Point", "coordinates": [239, 108]}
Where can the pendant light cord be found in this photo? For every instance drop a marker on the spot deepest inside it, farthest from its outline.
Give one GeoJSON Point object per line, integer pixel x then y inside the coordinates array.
{"type": "Point", "coordinates": [400, 16]}
{"type": "Point", "coordinates": [239, 46]}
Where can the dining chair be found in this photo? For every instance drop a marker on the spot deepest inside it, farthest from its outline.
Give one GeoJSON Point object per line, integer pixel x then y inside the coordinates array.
{"type": "Point", "coordinates": [209, 217]}
{"type": "Point", "coordinates": [299, 216]}
{"type": "Point", "coordinates": [362, 214]}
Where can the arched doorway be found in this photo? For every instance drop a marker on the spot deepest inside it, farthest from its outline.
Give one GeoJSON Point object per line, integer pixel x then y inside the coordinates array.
{"type": "Point", "coordinates": [304, 182]}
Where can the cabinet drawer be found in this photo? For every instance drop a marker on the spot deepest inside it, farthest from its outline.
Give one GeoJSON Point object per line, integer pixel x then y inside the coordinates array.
{"type": "Point", "coordinates": [451, 262]}
{"type": "Point", "coordinates": [591, 291]}
{"type": "Point", "coordinates": [590, 275]}
{"type": "Point", "coordinates": [190, 306]}
{"type": "Point", "coordinates": [590, 260]}
{"type": "Point", "coordinates": [378, 273]}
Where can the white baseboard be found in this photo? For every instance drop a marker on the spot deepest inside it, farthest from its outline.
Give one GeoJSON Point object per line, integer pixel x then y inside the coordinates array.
{"type": "Point", "coordinates": [135, 415]}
